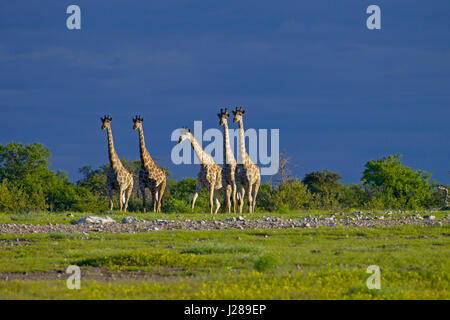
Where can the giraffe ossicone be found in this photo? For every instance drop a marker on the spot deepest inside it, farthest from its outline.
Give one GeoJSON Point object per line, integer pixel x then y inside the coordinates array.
{"type": "Point", "coordinates": [150, 175]}
{"type": "Point", "coordinates": [119, 178]}
{"type": "Point", "coordinates": [229, 164]}
{"type": "Point", "coordinates": [248, 175]}
{"type": "Point", "coordinates": [210, 175]}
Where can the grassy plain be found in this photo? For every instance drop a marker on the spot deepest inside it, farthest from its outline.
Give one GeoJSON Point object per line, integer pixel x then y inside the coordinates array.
{"type": "Point", "coordinates": [318, 263]}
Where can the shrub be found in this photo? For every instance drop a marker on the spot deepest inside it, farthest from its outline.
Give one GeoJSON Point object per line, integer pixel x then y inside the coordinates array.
{"type": "Point", "coordinates": [291, 195]}
{"type": "Point", "coordinates": [266, 262]}
{"type": "Point", "coordinates": [12, 198]}
{"type": "Point", "coordinates": [284, 209]}
{"type": "Point", "coordinates": [176, 205]}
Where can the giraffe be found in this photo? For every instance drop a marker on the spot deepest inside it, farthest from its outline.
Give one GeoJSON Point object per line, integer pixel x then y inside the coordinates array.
{"type": "Point", "coordinates": [229, 164]}
{"type": "Point", "coordinates": [446, 197]}
{"type": "Point", "coordinates": [248, 176]}
{"type": "Point", "coordinates": [150, 175]}
{"type": "Point", "coordinates": [210, 175]}
{"type": "Point", "coordinates": [118, 177]}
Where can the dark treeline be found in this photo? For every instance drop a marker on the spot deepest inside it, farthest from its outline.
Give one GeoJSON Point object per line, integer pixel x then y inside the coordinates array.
{"type": "Point", "coordinates": [27, 184]}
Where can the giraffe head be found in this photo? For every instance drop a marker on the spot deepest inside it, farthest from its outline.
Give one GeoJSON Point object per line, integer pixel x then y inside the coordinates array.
{"type": "Point", "coordinates": [223, 116]}
{"type": "Point", "coordinates": [137, 122]}
{"type": "Point", "coordinates": [185, 133]}
{"type": "Point", "coordinates": [238, 114]}
{"type": "Point", "coordinates": [106, 122]}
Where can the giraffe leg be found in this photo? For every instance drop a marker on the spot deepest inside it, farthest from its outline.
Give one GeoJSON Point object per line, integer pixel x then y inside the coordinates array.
{"type": "Point", "coordinates": [161, 187]}
{"type": "Point", "coordinates": [233, 195]}
{"type": "Point", "coordinates": [197, 191]}
{"type": "Point", "coordinates": [143, 198]}
{"type": "Point", "coordinates": [227, 195]}
{"type": "Point", "coordinates": [217, 197]}
{"type": "Point", "coordinates": [121, 196]}
{"type": "Point", "coordinates": [154, 201]}
{"type": "Point", "coordinates": [127, 196]}
{"type": "Point", "coordinates": [238, 196]}
{"type": "Point", "coordinates": [111, 203]}
{"type": "Point", "coordinates": [238, 191]}
{"type": "Point", "coordinates": [241, 198]}
{"type": "Point", "coordinates": [211, 196]}
{"type": "Point", "coordinates": [249, 197]}
{"type": "Point", "coordinates": [224, 189]}
{"type": "Point", "coordinates": [255, 193]}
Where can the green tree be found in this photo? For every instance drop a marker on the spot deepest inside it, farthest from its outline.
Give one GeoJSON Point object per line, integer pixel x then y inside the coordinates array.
{"type": "Point", "coordinates": [18, 161]}
{"type": "Point", "coordinates": [94, 180]}
{"type": "Point", "coordinates": [324, 187]}
{"type": "Point", "coordinates": [399, 186]}
{"type": "Point", "coordinates": [26, 168]}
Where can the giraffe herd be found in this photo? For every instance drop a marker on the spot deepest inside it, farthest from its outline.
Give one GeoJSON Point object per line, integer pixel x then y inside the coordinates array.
{"type": "Point", "coordinates": [236, 179]}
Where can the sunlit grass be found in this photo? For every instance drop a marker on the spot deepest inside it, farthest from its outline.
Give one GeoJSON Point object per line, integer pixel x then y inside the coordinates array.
{"type": "Point", "coordinates": [322, 263]}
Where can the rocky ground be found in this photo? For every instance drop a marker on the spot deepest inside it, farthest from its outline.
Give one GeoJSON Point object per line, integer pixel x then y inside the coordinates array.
{"type": "Point", "coordinates": [133, 225]}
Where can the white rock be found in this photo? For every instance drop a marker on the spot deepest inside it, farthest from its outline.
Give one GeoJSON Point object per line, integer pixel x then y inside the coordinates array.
{"type": "Point", "coordinates": [130, 220]}
{"type": "Point", "coordinates": [96, 220]}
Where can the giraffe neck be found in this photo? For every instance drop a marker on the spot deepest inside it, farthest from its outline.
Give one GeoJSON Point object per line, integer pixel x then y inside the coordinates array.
{"type": "Point", "coordinates": [204, 158]}
{"type": "Point", "coordinates": [114, 160]}
{"type": "Point", "coordinates": [145, 156]}
{"type": "Point", "coordinates": [228, 157]}
{"type": "Point", "coordinates": [244, 158]}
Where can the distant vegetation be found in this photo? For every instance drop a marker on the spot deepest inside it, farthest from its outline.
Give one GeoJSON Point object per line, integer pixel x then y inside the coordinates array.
{"type": "Point", "coordinates": [27, 184]}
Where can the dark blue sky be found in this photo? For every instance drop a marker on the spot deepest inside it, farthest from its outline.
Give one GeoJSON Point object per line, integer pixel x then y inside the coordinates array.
{"type": "Point", "coordinates": [339, 93]}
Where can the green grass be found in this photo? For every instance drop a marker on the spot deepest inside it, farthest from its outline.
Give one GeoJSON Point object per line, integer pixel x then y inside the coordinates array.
{"type": "Point", "coordinates": [142, 259]}
{"type": "Point", "coordinates": [322, 263]}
